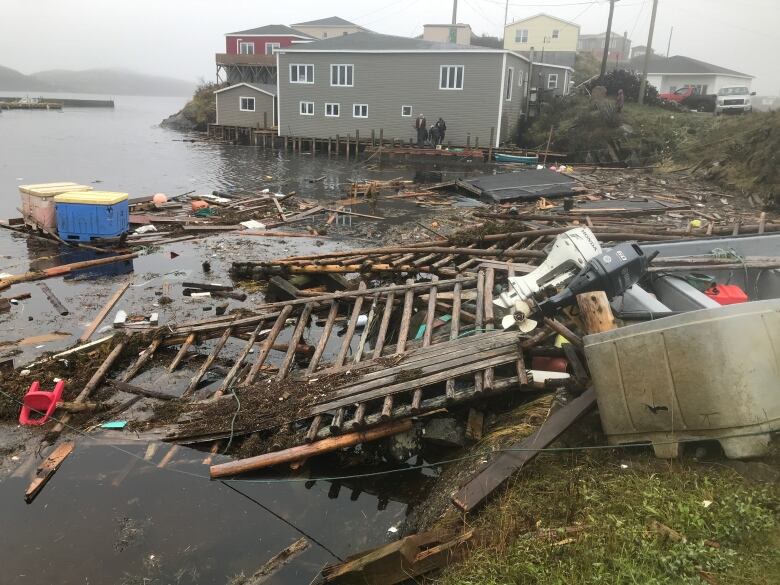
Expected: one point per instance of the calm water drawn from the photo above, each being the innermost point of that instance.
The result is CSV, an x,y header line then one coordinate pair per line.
x,y
105,517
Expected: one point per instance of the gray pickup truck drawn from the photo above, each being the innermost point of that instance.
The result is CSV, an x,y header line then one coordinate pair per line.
x,y
733,100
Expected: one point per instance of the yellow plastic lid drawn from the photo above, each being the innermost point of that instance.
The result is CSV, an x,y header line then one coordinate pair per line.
x,y
51,189
91,197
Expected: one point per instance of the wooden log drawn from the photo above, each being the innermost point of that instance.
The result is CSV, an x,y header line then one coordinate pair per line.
x,y
489,376
182,352
454,331
233,372
91,386
191,387
92,327
563,331
78,406
272,565
309,450
303,320
479,325
324,336
63,269
47,469
596,312
494,473
269,341
406,316
350,328
387,313
314,427
366,330
141,360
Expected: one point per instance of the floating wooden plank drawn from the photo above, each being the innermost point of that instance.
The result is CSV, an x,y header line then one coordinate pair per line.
x,y
399,561
406,316
380,339
47,469
92,327
62,270
237,365
454,332
272,565
492,475
56,303
305,451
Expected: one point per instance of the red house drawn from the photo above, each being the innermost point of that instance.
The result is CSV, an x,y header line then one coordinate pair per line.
x,y
263,40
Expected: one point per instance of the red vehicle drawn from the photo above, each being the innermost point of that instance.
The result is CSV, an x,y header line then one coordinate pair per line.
x,y
690,97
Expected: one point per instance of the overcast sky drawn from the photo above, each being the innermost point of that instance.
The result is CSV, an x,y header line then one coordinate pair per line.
x,y
178,38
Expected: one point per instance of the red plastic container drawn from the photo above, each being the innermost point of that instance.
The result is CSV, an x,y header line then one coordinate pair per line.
x,y
549,364
726,294
40,401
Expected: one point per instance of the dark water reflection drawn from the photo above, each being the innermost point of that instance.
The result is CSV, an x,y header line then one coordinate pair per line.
x,y
106,518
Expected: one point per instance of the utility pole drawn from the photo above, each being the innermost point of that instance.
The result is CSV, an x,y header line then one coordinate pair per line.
x,y
506,16
669,44
454,11
607,39
648,50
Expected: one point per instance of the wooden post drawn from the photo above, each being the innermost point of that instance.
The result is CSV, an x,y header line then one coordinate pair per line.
x,y
338,144
305,451
476,142
357,143
547,149
265,122
346,150
596,312
373,141
490,144
468,140
285,143
381,137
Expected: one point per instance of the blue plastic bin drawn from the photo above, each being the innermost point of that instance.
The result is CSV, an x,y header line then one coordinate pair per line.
x,y
91,215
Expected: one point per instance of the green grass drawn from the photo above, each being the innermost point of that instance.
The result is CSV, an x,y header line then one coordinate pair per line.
x,y
733,539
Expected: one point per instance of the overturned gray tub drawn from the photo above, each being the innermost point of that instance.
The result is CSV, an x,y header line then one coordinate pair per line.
x,y
712,374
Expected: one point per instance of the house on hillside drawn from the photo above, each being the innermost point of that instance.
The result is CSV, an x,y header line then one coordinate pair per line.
x,y
457,34
327,28
249,54
368,82
549,38
245,105
668,74
619,46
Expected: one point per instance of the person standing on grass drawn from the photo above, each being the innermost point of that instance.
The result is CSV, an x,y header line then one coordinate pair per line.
x,y
422,134
620,101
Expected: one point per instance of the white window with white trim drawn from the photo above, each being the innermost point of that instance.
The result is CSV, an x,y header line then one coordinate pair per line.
x,y
342,75
307,108
406,111
271,47
520,78
332,110
360,110
246,104
301,73
556,33
552,81
521,35
510,74
451,77
245,48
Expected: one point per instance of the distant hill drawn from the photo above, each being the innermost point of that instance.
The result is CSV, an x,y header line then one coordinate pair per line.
x,y
97,81
12,80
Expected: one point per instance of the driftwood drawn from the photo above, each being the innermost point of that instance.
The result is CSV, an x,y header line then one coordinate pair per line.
x,y
62,270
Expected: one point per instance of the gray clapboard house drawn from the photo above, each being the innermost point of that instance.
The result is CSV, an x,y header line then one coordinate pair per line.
x,y
246,105
370,82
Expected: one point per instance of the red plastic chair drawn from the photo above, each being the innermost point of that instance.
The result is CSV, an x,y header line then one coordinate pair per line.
x,y
40,401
